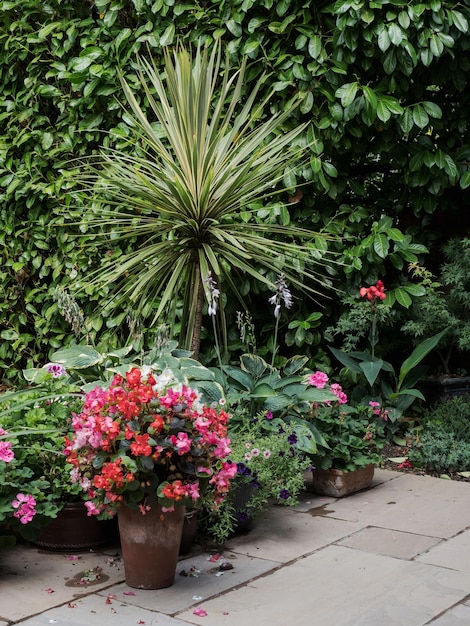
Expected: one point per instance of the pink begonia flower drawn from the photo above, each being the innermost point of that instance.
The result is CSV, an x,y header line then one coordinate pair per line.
x,y
182,443
318,379
269,415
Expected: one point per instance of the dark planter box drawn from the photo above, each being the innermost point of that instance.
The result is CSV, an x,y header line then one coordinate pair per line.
x,y
442,388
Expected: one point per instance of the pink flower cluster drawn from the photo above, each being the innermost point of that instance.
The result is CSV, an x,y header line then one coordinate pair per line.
x,y
6,451
320,380
374,292
378,410
142,436
25,507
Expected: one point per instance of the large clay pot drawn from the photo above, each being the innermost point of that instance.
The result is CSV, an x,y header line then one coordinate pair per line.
x,y
150,545
73,530
336,483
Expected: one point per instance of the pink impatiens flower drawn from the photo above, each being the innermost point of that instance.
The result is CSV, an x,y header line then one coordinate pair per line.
x,y
318,379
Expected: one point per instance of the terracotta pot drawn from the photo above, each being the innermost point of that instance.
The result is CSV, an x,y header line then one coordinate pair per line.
x,y
338,484
150,545
73,530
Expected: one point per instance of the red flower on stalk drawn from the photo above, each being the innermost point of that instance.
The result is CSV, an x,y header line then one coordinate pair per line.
x,y
373,292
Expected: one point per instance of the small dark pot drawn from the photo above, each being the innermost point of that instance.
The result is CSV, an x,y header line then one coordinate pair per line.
x,y
442,388
189,532
240,495
73,530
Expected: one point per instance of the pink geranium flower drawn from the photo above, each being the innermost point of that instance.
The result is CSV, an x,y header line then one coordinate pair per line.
x,y
318,379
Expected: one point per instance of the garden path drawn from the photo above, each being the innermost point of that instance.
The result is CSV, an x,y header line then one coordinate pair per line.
x,y
394,555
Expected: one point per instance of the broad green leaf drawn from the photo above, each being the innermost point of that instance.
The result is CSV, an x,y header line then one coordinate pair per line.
x,y
465,180
77,357
346,93
406,120
383,112
419,353
383,39
371,369
381,245
420,117
459,20
253,364
168,36
396,34
432,109
348,361
403,297
315,46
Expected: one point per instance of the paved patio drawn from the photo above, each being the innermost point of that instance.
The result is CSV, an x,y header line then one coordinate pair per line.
x,y
397,554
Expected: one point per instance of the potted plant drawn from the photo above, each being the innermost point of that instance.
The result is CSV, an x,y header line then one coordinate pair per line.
x,y
353,439
34,423
270,469
144,447
445,308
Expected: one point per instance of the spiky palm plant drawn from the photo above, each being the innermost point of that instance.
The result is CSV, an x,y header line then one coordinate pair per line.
x,y
205,157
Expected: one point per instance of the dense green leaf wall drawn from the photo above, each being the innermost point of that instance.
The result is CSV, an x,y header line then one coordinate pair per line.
x,y
384,83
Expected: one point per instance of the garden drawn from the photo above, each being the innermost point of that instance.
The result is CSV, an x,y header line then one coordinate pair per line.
x,y
231,258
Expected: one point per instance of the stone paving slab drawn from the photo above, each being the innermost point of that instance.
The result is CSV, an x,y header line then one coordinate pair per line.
x,y
283,535
453,553
94,610
33,580
341,587
416,504
389,542
457,616
206,578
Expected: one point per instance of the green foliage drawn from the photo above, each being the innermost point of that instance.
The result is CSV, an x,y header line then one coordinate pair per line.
x,y
354,436
439,450
255,387
37,421
383,87
92,368
446,304
452,416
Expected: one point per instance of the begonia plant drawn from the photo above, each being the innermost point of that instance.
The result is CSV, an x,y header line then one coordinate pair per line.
x,y
146,440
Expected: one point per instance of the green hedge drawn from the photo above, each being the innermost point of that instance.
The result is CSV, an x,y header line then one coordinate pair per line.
x,y
384,83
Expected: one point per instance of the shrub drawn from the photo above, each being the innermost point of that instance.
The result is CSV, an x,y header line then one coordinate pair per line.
x,y
453,416
440,451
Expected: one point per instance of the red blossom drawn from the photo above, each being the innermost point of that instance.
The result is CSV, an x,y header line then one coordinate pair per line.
x,y
374,292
